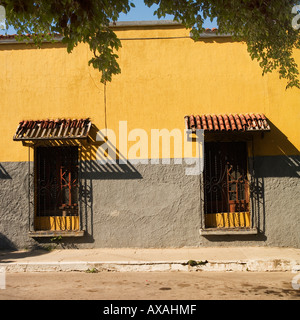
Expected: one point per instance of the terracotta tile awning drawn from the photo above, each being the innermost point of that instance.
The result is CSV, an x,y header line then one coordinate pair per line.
x,y
59,129
224,123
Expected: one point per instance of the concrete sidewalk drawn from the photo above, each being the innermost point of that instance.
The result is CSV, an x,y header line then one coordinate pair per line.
x,y
178,259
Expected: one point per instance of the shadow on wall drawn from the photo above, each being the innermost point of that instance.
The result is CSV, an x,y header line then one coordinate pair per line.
x,y
94,166
92,169
3,173
28,46
6,244
9,251
286,163
258,205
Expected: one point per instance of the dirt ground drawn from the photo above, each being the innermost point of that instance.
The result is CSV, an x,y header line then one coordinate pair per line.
x,y
150,285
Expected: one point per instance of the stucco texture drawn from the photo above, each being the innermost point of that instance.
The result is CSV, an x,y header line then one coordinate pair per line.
x,y
165,76
156,206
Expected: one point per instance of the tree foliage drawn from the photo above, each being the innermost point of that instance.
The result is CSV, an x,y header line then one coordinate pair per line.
x,y
265,25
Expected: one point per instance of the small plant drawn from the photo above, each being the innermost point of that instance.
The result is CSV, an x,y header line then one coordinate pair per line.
x,y
194,263
54,243
56,239
93,270
202,263
48,247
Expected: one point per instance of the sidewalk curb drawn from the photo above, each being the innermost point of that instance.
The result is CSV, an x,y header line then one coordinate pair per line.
x,y
278,265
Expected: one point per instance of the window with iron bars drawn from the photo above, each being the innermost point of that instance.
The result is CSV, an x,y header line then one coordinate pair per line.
x,y
56,188
226,185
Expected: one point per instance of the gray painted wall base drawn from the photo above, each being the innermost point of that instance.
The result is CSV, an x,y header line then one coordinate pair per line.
x,y
155,206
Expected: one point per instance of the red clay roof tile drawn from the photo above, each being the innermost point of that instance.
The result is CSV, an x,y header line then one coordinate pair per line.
x,y
209,123
52,129
238,122
215,122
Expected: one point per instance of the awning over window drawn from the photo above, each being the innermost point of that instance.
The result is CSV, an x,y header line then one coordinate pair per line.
x,y
224,123
59,129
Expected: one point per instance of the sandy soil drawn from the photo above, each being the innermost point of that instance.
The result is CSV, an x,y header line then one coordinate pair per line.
x,y
154,286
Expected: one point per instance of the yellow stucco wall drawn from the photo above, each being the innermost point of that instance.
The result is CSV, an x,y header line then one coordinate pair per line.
x,y
165,75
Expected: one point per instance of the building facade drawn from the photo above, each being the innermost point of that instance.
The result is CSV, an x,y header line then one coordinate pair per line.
x,y
189,146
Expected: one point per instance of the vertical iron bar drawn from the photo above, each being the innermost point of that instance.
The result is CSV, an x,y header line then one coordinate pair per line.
x,y
227,188
216,186
254,220
210,197
202,220
29,211
205,183
238,156
79,191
